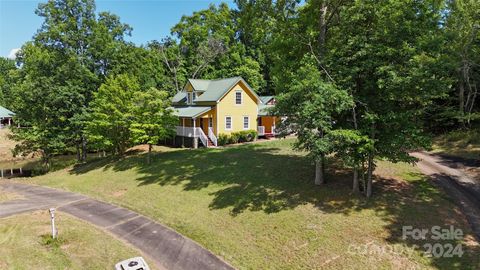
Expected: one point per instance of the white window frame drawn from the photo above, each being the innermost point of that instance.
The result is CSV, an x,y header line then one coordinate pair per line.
x,y
248,122
241,97
194,96
231,122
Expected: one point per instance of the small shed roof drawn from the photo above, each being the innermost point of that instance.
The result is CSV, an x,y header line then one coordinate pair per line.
x,y
266,99
265,110
6,113
191,111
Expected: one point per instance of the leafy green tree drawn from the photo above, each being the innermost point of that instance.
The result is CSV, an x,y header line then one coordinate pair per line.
x,y
388,63
153,118
210,48
463,34
68,59
7,66
311,107
111,114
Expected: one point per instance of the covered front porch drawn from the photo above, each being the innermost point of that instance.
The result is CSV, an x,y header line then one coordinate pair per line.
x,y
197,124
266,121
266,126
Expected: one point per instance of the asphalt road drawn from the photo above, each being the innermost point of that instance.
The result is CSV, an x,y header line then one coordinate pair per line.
x,y
165,247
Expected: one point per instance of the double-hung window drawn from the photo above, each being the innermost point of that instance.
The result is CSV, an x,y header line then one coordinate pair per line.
x,y
238,97
228,122
246,122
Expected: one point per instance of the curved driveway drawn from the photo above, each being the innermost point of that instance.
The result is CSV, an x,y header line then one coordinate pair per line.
x,y
167,248
463,189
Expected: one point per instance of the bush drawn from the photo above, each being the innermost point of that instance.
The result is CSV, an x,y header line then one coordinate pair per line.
x,y
234,137
246,135
223,139
251,135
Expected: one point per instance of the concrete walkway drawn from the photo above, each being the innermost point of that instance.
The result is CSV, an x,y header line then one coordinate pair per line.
x,y
167,248
463,189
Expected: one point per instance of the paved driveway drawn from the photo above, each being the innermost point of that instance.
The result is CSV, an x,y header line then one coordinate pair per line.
x,y
462,188
167,248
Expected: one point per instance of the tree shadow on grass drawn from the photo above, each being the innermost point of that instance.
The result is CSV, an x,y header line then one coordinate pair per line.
x,y
263,178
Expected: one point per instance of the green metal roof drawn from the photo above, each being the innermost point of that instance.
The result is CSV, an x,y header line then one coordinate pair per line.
x,y
191,111
5,113
264,110
266,99
180,97
213,90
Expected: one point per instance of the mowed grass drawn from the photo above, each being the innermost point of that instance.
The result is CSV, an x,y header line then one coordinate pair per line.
x,y
460,143
256,206
26,243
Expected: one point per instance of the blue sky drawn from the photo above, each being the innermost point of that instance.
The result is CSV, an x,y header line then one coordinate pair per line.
x,y
150,19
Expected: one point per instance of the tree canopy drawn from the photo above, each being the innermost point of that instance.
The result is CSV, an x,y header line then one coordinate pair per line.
x,y
361,80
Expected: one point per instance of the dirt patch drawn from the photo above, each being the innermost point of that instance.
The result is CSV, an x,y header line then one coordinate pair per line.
x,y
7,145
119,193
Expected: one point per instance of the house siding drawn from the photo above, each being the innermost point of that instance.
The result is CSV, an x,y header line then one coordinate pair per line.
x,y
227,107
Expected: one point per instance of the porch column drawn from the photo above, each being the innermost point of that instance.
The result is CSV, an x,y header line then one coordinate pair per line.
x,y
195,139
9,121
183,132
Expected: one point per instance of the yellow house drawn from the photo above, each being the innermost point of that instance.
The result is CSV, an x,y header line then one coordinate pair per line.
x,y
207,108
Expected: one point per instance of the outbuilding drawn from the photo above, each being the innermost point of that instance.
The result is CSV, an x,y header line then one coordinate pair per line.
x,y
6,117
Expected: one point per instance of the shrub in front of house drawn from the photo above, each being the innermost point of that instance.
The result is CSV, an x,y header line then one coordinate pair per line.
x,y
236,137
223,139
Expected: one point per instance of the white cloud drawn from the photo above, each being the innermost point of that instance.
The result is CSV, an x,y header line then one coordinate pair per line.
x,y
13,52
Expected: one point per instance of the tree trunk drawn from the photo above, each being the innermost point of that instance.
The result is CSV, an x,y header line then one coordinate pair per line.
x,y
149,153
77,146
84,148
356,184
319,171
461,98
369,175
322,29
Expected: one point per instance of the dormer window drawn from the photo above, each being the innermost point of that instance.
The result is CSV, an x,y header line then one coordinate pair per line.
x,y
191,96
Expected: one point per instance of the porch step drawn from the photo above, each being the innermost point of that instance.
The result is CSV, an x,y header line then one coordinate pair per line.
x,y
210,143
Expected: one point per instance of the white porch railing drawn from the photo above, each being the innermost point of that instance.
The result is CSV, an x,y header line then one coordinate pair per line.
x,y
261,130
212,136
192,133
199,132
186,131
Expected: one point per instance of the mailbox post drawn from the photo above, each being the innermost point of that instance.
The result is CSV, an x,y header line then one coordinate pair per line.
x,y
52,216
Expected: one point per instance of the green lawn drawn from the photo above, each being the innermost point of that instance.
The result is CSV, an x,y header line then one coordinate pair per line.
x,y
256,206
25,243
461,143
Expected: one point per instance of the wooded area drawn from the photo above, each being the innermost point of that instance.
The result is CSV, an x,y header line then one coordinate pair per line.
x,y
361,80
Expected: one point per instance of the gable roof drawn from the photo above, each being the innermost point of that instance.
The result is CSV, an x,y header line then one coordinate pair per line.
x,y
213,90
266,99
5,113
